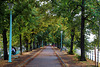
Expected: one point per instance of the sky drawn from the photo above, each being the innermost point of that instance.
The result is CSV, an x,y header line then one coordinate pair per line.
x,y
91,37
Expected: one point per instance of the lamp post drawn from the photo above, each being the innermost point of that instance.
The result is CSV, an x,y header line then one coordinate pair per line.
x,y
10,38
61,39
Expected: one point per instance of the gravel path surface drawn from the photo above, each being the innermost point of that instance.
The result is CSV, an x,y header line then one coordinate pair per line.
x,y
47,58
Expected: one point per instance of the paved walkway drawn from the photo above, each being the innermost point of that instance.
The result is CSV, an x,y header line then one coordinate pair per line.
x,y
46,58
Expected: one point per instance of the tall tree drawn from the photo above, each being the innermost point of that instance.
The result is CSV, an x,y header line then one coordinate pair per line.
x,y
4,26
5,44
82,31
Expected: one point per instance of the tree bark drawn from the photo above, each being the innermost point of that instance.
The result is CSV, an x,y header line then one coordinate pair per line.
x,y
5,44
72,40
37,44
20,45
57,45
33,44
82,32
26,45
30,47
52,43
45,43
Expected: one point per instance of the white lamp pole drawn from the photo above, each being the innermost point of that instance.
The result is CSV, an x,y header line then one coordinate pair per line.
x,y
61,39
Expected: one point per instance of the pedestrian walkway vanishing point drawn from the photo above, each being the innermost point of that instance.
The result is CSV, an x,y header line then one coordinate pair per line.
x,y
47,58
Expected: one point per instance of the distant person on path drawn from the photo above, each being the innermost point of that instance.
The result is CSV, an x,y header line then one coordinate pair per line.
x,y
13,50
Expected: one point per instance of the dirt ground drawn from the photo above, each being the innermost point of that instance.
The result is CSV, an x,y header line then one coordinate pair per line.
x,y
18,59
69,60
72,61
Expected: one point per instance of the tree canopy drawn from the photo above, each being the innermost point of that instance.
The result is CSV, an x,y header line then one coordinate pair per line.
x,y
42,20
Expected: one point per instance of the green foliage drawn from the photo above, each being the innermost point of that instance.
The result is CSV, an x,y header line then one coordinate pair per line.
x,y
1,41
78,56
44,22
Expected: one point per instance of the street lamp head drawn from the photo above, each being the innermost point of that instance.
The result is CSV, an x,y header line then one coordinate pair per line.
x,y
10,5
61,31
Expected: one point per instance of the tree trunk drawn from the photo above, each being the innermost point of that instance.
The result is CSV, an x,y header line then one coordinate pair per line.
x,y
57,45
5,44
26,45
82,33
20,43
52,43
72,40
30,47
33,44
37,44
45,43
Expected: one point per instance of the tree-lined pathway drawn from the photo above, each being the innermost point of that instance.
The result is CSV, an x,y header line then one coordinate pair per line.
x,y
47,58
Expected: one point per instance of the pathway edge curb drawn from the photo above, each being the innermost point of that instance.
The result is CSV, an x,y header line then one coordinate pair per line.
x,y
65,65
23,64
